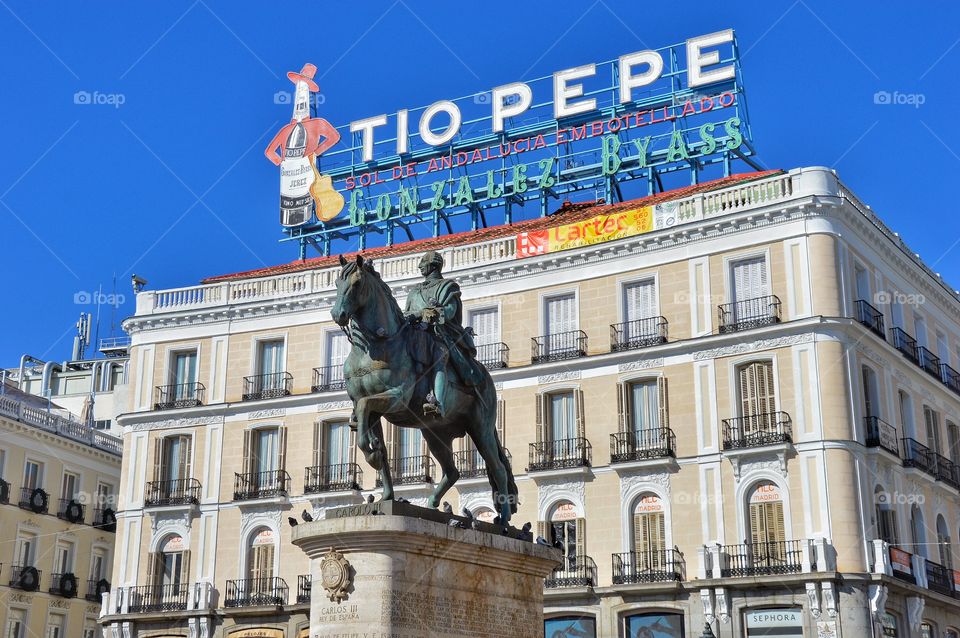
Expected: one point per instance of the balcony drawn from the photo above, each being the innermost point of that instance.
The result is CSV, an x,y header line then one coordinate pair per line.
x,y
256,592
748,314
947,471
146,599
64,585
328,379
918,455
96,588
881,434
172,492
762,559
939,578
493,356
179,395
254,485
267,386
906,344
871,318
70,510
655,566
471,465
560,454
4,492
304,585
105,518
929,362
950,377
34,499
558,346
642,445
25,577
575,571
639,333
410,470
332,478
768,428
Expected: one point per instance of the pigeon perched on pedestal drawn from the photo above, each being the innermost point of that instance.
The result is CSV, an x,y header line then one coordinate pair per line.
x,y
306,516
369,498
400,499
525,533
467,514
542,541
447,508
293,522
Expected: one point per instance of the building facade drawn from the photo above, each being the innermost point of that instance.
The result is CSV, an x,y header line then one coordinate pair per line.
x,y
58,481
746,418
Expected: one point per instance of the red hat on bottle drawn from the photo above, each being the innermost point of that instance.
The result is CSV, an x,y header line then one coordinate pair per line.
x,y
306,75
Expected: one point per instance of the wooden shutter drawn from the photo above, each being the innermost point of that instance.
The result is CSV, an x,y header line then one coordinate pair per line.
x,y
152,572
663,404
578,411
389,439
542,421
247,452
185,567
624,420
581,537
281,448
502,421
352,452
158,459
543,530
317,443
185,456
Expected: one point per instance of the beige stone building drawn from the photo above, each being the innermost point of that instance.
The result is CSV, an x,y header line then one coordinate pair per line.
x,y
746,417
58,480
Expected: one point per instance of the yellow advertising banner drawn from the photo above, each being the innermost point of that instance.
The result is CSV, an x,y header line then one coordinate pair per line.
x,y
601,228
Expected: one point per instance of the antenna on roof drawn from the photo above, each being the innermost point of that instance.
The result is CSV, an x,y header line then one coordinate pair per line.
x,y
82,340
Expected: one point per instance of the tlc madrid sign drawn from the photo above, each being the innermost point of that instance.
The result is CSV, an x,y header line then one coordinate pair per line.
x,y
587,128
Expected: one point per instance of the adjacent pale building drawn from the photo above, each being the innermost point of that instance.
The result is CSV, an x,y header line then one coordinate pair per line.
x,y
746,417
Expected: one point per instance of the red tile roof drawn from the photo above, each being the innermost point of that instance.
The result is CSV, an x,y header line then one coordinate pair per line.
x,y
567,213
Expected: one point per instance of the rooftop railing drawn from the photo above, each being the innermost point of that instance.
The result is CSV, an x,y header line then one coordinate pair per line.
x,y
651,566
328,379
267,386
54,423
179,395
748,314
639,333
871,318
558,346
757,430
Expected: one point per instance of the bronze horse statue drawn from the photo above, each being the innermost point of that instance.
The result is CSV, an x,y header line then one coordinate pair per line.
x,y
384,379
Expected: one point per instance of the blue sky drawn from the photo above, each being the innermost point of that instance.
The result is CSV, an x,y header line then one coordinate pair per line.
x,y
172,184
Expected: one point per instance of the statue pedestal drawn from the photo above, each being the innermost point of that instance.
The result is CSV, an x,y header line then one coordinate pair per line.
x,y
398,575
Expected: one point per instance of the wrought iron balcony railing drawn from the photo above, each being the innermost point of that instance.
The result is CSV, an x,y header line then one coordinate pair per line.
x,y
96,588
471,464
906,344
918,455
950,377
25,577
653,566
34,499
929,362
332,478
560,454
493,356
304,585
939,578
642,445
639,333
68,509
253,485
881,434
256,592
172,492
267,386
575,571
559,346
411,470
64,585
328,379
871,318
760,559
179,395
757,430
105,518
748,314
145,599
947,471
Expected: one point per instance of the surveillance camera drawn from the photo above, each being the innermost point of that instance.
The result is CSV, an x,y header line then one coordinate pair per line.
x,y
138,283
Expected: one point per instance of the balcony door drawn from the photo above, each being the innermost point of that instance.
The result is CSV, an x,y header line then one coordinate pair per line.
x,y
567,531
32,475
932,421
748,280
271,364
265,457
260,562
649,533
68,487
183,374
758,397
871,398
334,451
338,347
943,543
920,327
563,426
486,326
172,461
886,517
639,302
169,568
644,406
561,319
862,282
767,528
26,551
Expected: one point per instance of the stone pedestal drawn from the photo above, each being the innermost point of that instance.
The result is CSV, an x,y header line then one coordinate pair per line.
x,y
403,572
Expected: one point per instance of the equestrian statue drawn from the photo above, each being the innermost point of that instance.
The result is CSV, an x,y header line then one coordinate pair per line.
x,y
417,368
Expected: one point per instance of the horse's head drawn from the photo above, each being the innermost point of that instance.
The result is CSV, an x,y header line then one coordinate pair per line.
x,y
351,291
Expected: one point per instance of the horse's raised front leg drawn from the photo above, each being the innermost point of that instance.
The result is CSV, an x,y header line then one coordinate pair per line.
x,y
442,450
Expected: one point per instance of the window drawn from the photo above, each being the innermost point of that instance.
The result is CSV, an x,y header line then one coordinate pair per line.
x,y
927,631
261,556
642,406
63,558
68,487
748,279
757,396
561,314
334,443
889,624
649,533
862,278
907,425
567,530
105,496
55,626
89,632
486,326
172,458
871,400
886,517
931,420
661,625
943,544
953,440
170,567
266,457
183,369
562,416
32,475
570,627
3,462
16,624
338,347
640,300
409,443
918,534
98,565
920,327
26,550
896,310
943,350
270,357
766,515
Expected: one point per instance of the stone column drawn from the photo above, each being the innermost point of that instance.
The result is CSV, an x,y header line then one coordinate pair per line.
x,y
406,577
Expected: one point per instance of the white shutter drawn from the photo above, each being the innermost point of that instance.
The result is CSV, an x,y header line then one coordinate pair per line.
x,y
561,314
863,284
639,300
486,326
749,279
337,348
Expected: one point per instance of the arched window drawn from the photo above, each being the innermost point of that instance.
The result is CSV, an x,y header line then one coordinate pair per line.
x,y
261,554
918,534
886,517
649,533
766,514
168,570
943,544
565,529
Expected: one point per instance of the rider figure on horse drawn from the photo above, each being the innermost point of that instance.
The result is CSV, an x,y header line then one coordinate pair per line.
x,y
434,305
